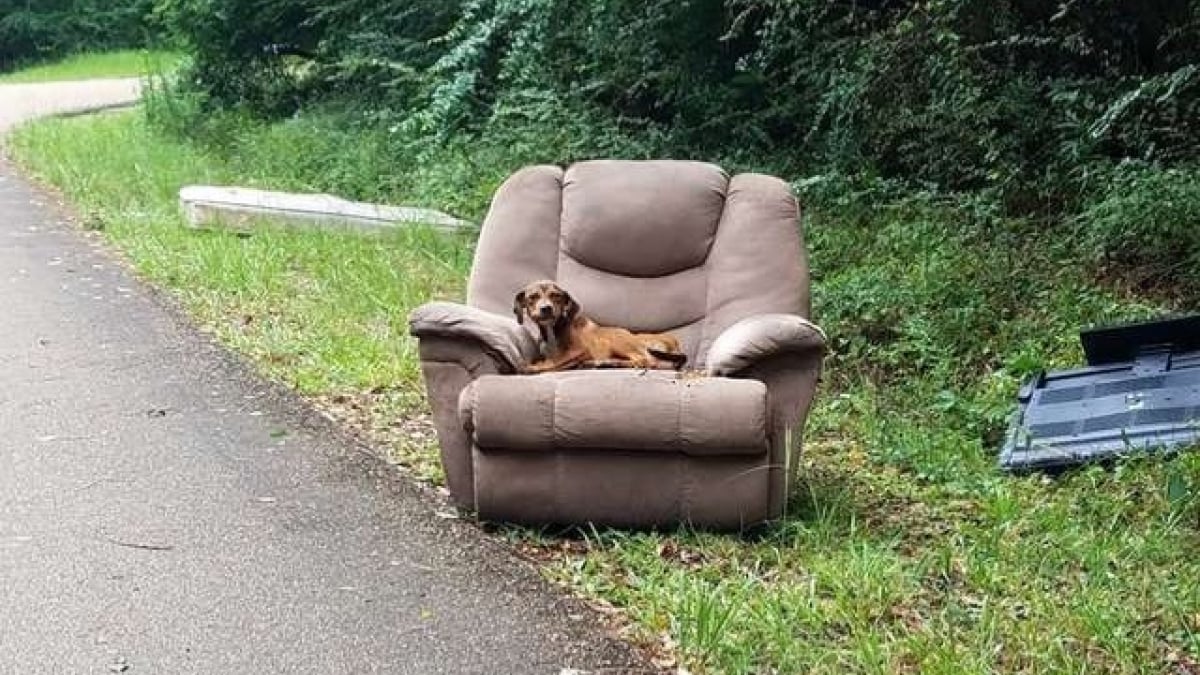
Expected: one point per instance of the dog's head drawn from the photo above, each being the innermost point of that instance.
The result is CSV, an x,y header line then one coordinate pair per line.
x,y
546,304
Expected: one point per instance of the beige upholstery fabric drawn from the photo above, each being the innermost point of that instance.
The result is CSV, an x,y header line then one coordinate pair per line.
x,y
757,264
651,411
757,337
498,335
622,489
666,212
651,246
519,239
448,365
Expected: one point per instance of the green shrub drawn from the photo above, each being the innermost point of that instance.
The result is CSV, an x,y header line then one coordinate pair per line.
x,y
1002,108
272,56
31,31
1147,221
1024,100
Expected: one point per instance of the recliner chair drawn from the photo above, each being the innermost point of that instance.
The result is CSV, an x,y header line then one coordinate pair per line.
x,y
651,246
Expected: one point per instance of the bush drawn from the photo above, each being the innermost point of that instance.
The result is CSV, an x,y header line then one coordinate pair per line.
x,y
1148,221
1015,97
272,56
31,31
1020,106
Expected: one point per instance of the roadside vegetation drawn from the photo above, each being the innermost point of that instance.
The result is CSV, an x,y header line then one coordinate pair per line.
x,y
124,63
980,180
38,32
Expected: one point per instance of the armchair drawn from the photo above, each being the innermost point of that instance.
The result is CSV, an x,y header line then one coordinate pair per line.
x,y
651,246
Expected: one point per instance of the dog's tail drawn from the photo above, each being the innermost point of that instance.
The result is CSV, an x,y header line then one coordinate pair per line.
x,y
674,358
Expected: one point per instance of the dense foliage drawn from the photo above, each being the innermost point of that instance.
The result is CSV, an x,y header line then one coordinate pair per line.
x,y
31,31
1042,108
957,93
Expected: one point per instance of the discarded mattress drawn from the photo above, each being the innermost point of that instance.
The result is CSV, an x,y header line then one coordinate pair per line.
x,y
1140,392
206,205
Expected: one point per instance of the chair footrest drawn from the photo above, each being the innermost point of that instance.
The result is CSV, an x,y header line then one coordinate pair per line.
x,y
627,410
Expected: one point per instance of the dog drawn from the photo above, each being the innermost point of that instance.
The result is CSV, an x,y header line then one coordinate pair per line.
x,y
568,339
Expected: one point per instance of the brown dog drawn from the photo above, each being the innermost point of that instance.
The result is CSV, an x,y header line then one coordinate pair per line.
x,y
568,339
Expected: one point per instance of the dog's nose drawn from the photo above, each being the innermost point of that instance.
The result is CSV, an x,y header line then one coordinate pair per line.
x,y
545,311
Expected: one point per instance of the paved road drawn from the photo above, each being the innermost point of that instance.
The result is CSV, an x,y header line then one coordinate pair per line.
x,y
162,510
19,102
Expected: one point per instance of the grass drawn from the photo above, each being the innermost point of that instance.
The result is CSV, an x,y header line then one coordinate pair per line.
x,y
904,550
126,63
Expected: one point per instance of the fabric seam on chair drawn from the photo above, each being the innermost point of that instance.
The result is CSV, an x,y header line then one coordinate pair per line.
x,y
562,198
684,501
680,415
564,253
769,430
473,396
702,347
558,491
552,419
474,482
683,504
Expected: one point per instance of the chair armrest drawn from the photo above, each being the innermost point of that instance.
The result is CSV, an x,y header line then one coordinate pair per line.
x,y
755,338
499,336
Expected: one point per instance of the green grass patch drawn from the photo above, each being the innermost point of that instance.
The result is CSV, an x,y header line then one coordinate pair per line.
x,y
125,63
905,549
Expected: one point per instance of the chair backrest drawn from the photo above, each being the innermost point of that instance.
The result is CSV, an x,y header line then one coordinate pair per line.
x,y
647,245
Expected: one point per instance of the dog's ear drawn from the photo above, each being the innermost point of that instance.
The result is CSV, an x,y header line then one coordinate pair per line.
x,y
570,307
519,307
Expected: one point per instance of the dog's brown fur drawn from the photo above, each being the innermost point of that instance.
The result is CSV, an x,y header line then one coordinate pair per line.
x,y
569,339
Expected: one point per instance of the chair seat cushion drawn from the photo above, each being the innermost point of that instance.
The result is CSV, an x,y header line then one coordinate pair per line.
x,y
632,410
